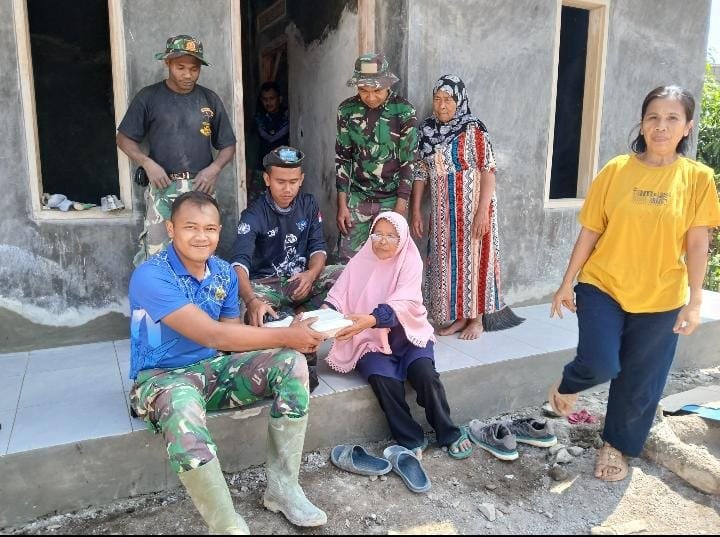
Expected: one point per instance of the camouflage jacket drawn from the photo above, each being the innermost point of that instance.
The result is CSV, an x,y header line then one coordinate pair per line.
x,y
376,148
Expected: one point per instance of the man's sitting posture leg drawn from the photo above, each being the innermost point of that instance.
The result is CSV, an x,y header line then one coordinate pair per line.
x,y
175,402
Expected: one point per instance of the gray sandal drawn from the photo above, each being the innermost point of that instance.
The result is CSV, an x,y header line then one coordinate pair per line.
x,y
355,459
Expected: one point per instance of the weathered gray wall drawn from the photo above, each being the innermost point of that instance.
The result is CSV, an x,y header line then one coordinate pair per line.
x,y
504,53
65,282
319,71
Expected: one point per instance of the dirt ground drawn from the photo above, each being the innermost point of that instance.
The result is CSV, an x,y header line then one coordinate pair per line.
x,y
525,497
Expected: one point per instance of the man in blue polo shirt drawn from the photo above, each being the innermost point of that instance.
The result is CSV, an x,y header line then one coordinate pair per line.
x,y
280,251
184,308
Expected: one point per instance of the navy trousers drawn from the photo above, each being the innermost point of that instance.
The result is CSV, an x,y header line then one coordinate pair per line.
x,y
632,350
425,380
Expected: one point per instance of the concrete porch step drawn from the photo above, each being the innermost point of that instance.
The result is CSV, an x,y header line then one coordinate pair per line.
x,y
67,439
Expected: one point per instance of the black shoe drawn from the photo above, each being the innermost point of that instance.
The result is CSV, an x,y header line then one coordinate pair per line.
x,y
313,378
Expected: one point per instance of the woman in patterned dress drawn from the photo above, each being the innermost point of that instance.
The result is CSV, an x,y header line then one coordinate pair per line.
x,y
462,281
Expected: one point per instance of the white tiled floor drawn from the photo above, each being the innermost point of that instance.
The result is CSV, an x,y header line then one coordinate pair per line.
x,y
55,396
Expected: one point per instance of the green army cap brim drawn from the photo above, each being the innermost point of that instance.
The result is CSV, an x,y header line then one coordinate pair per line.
x,y
177,54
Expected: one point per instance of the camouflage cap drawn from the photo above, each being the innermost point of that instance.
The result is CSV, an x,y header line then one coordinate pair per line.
x,y
182,45
372,70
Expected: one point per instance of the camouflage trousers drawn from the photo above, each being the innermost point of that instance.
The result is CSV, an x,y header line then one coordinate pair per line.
x,y
362,214
158,202
174,402
278,291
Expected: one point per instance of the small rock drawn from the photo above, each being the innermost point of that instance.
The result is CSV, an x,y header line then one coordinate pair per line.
x,y
509,477
558,473
623,528
347,523
243,489
373,478
491,486
548,514
373,516
520,504
598,442
54,527
563,457
488,511
575,451
383,478
554,449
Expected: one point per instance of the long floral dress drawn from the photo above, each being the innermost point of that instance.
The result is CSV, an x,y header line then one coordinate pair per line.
x,y
462,277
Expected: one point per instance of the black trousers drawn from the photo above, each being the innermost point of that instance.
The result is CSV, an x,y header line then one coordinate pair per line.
x,y
430,395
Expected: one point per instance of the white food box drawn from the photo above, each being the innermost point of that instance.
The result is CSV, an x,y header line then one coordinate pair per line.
x,y
329,322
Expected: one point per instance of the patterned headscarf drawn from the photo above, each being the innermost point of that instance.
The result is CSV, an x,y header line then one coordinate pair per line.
x,y
433,131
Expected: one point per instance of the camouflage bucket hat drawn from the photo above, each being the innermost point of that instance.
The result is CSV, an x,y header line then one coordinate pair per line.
x,y
372,70
182,45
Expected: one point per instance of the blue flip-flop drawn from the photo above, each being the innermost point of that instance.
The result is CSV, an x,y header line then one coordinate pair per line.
x,y
408,467
355,459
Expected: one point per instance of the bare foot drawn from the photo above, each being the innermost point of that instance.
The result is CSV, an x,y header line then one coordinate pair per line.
x,y
464,445
473,329
453,328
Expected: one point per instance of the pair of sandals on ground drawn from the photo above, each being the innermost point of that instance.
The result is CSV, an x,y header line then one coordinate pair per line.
x,y
399,459
611,464
499,438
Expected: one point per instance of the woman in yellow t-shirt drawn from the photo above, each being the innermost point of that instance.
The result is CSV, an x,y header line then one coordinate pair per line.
x,y
644,239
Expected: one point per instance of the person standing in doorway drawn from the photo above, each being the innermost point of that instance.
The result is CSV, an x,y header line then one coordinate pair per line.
x,y
644,241
374,153
272,122
182,122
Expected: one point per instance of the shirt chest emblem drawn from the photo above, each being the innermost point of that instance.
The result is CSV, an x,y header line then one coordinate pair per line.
x,y
301,225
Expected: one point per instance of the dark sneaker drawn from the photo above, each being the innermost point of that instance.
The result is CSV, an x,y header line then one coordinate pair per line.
x,y
495,438
534,432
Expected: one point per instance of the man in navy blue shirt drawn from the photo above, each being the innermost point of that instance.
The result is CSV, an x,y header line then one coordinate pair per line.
x,y
280,251
184,314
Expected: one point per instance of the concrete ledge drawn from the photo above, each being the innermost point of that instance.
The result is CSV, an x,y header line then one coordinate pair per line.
x,y
94,472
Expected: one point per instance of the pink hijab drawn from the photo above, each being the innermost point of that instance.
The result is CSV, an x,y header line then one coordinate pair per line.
x,y
367,282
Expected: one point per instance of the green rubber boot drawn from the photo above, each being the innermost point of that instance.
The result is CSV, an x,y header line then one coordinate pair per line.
x,y
209,492
283,494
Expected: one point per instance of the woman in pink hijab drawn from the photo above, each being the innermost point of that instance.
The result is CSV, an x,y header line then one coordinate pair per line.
x,y
391,339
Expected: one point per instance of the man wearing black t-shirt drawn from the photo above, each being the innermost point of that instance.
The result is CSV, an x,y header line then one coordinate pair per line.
x,y
182,122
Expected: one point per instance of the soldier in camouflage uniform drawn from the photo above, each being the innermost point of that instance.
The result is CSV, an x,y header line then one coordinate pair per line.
x,y
182,122
374,152
184,306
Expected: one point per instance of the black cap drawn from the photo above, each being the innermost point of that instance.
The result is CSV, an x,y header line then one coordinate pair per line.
x,y
283,157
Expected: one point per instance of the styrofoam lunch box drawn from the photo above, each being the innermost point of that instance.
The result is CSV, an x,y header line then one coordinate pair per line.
x,y
329,322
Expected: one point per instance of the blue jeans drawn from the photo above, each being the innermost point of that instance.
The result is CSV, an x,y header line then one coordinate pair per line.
x,y
632,350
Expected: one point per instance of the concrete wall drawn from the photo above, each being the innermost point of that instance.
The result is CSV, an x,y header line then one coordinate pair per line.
x,y
66,282
504,53
319,70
